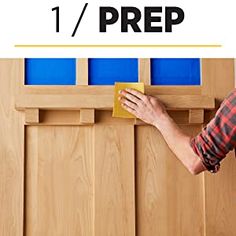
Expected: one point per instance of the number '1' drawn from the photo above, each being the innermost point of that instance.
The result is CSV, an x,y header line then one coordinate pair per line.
x,y
57,18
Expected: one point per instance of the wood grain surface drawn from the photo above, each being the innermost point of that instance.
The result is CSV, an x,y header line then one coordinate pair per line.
x,y
59,181
11,152
170,200
220,189
114,180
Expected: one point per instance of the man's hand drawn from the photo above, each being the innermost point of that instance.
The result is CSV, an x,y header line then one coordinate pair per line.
x,y
144,107
153,112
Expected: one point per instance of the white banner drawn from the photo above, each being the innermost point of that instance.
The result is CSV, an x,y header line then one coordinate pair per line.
x,y
69,28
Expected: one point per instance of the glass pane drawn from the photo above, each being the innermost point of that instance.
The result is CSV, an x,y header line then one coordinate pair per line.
x,y
175,71
50,71
108,71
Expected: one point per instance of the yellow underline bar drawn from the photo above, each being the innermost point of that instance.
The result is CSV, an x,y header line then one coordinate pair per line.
x,y
118,46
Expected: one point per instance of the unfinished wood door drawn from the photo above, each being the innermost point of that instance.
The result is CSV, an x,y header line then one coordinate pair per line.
x,y
69,168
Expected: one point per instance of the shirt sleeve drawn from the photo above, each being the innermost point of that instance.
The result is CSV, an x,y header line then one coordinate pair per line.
x,y
219,137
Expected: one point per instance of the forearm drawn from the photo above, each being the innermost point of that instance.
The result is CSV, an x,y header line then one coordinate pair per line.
x,y
179,143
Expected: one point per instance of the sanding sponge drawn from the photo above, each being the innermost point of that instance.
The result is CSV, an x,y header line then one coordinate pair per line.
x,y
118,111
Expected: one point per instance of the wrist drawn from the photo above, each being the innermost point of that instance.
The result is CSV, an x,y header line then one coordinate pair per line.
x,y
161,120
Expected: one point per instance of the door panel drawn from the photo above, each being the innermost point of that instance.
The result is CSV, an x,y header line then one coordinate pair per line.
x,y
75,186
114,178
59,181
170,200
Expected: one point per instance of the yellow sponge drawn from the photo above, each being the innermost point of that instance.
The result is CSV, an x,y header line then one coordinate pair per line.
x,y
118,111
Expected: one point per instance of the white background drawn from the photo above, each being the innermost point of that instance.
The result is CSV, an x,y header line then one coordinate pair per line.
x,y
33,22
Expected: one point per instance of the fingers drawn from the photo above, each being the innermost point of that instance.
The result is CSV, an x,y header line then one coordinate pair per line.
x,y
133,101
136,93
129,109
128,103
131,97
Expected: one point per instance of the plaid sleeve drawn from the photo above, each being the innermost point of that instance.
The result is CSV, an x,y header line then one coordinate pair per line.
x,y
219,136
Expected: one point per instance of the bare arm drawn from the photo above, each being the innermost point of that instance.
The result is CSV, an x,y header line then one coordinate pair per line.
x,y
153,112
179,143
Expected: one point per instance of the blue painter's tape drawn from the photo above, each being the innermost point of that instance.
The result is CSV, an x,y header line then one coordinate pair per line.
x,y
175,71
50,71
108,71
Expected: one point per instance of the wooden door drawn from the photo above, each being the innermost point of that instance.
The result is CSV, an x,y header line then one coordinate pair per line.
x,y
72,169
